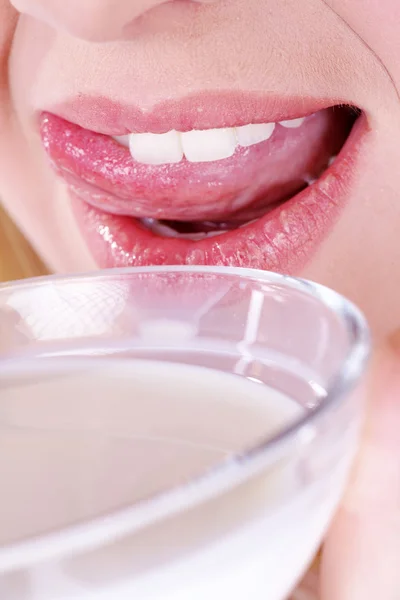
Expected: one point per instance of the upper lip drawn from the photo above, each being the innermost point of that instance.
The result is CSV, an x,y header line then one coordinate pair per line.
x,y
202,111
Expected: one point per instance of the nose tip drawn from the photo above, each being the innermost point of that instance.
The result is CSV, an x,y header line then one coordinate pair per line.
x,y
92,20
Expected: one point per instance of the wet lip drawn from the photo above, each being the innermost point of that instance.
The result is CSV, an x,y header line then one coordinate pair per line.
x,y
283,239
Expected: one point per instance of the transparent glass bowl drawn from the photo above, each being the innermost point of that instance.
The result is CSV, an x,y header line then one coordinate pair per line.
x,y
208,345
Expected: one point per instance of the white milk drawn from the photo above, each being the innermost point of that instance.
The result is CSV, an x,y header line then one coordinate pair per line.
x,y
78,446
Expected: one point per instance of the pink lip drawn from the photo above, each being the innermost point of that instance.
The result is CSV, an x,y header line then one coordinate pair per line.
x,y
283,240
203,111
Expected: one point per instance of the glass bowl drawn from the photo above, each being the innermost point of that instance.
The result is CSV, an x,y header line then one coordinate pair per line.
x,y
172,432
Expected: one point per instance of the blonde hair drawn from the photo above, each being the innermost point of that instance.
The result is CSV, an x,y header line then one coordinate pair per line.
x,y
17,259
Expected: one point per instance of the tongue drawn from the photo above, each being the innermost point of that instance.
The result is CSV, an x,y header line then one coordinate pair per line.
x,y
238,189
273,171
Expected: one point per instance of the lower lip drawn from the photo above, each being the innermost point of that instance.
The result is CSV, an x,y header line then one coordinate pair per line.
x,y
284,240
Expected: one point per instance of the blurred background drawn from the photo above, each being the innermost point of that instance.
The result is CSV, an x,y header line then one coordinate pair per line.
x,y
17,259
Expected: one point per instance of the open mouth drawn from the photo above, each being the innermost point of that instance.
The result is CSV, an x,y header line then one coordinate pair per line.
x,y
260,194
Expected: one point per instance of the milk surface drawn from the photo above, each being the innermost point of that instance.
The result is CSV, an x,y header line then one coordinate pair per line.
x,y
80,444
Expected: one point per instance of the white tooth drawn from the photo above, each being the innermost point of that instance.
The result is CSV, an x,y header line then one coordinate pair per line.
x,y
156,149
122,139
309,179
254,134
293,123
155,226
248,223
208,145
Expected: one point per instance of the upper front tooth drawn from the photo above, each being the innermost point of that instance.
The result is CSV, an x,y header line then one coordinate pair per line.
x,y
156,149
254,134
122,139
198,146
208,145
293,123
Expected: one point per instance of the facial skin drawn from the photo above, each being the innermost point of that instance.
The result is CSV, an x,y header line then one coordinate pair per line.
x,y
145,52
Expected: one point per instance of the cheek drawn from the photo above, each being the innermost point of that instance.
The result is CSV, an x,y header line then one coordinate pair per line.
x,y
8,22
377,22
361,258
30,7
38,204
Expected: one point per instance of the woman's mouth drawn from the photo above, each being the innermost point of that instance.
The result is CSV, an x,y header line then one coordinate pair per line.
x,y
261,194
